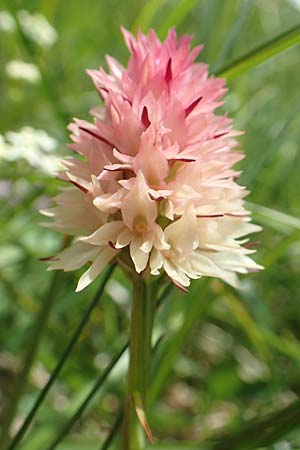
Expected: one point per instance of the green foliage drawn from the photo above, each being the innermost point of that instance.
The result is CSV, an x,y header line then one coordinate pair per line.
x,y
226,364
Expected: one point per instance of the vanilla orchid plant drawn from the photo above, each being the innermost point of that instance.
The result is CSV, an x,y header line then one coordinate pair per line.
x,y
153,189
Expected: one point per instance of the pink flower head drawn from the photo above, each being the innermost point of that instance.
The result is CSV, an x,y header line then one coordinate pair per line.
x,y
155,185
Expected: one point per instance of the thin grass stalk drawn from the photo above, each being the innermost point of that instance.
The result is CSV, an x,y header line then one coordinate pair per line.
x,y
78,413
233,34
113,432
61,361
165,293
163,366
32,349
99,382
146,15
261,54
176,16
261,432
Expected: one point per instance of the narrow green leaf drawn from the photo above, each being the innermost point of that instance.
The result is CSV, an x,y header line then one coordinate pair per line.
x,y
261,160
176,16
261,54
172,346
148,12
262,338
261,432
61,361
271,218
39,328
287,346
233,34
113,432
280,248
247,323
99,382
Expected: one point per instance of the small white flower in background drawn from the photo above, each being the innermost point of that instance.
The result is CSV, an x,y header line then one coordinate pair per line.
x,y
20,70
37,28
7,22
35,146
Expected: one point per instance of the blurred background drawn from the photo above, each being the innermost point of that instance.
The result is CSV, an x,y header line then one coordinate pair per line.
x,y
227,370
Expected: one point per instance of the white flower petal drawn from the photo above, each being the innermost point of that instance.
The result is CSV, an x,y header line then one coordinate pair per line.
x,y
96,268
74,257
175,273
138,257
156,262
182,234
147,243
104,234
124,238
138,204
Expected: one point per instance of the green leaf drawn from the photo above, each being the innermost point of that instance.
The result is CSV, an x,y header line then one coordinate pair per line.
x,y
113,432
91,394
263,158
247,323
280,248
279,221
233,34
176,16
261,54
39,328
262,432
58,368
78,413
171,347
148,12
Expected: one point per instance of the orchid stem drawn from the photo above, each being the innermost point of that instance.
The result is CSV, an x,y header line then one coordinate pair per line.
x,y
142,318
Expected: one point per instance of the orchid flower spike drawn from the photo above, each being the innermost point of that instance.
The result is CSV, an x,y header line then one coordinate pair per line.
x,y
154,187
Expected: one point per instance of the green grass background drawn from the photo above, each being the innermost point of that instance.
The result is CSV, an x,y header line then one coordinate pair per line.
x,y
226,374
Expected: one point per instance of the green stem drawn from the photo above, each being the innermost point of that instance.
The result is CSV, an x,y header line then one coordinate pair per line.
x,y
142,317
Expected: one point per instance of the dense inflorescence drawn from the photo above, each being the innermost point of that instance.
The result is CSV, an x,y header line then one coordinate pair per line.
x,y
154,187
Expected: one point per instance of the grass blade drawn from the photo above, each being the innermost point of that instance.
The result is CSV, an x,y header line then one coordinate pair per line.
x,y
226,50
279,250
263,432
285,223
32,349
176,16
99,382
144,19
171,347
261,54
255,166
247,323
113,432
61,361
